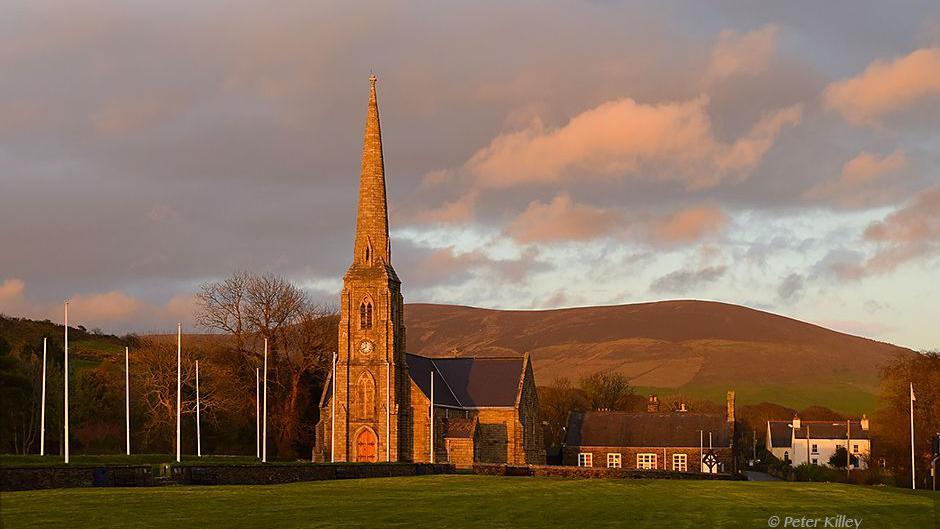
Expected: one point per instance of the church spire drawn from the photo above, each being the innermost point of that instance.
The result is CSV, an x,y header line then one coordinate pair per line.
x,y
372,245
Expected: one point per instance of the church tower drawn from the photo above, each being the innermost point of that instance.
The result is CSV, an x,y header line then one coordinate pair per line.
x,y
372,384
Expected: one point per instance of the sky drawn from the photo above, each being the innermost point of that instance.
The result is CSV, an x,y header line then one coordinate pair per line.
x,y
782,156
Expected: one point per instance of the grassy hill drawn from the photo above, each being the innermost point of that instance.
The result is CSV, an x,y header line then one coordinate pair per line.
x,y
697,348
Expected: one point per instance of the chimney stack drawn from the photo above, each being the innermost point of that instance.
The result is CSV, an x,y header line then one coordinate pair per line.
x,y
864,422
731,406
796,422
653,405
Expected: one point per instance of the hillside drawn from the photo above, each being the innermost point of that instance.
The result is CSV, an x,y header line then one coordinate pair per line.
x,y
696,348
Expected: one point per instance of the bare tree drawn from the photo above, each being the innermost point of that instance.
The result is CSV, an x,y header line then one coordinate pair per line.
x,y
606,391
221,307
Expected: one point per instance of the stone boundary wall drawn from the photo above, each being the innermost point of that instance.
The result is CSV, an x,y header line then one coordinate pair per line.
x,y
593,473
270,474
32,478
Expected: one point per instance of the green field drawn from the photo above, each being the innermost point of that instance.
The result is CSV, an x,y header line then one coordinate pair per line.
x,y
468,501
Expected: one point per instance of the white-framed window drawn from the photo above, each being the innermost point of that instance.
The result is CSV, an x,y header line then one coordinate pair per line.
x,y
786,455
680,462
613,461
855,448
585,459
815,461
815,448
646,461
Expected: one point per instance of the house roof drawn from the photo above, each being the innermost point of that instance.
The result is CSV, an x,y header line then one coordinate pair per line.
x,y
780,431
469,382
673,429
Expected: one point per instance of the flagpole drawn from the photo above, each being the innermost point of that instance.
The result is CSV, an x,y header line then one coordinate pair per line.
x,y
179,347
257,413
42,413
198,431
66,377
431,440
264,433
913,473
127,396
333,414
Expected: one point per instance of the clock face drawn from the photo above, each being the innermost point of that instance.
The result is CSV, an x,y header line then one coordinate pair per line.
x,y
366,346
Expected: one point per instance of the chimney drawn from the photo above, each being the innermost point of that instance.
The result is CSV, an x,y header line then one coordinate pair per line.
x,y
864,422
682,408
652,406
796,422
731,406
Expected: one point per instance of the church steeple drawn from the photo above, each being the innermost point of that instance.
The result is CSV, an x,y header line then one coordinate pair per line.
x,y
372,242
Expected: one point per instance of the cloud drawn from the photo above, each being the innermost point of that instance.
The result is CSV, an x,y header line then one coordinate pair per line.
x,y
688,225
668,141
886,86
561,220
681,281
455,211
11,295
860,183
910,232
791,288
741,53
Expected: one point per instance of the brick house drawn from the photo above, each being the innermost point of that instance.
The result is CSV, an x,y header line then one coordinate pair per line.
x,y
815,442
676,440
376,404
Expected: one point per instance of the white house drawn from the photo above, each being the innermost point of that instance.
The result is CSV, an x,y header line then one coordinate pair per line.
x,y
815,441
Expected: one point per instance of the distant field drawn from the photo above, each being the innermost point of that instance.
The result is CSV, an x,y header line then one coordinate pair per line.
x,y
468,501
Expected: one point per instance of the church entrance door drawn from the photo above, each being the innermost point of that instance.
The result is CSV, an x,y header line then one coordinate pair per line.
x,y
365,447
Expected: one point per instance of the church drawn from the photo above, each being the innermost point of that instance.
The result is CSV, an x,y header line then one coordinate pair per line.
x,y
383,404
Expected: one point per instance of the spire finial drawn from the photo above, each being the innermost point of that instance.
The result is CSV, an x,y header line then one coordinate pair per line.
x,y
373,79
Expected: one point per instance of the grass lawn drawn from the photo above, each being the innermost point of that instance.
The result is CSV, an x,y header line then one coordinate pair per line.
x,y
468,501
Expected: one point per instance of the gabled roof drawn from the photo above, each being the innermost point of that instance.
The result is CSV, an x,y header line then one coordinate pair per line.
x,y
673,429
469,382
780,431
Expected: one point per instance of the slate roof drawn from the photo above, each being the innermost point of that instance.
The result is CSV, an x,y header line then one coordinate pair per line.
x,y
673,429
780,431
469,382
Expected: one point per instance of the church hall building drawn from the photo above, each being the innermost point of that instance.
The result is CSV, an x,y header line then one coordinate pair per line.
x,y
377,403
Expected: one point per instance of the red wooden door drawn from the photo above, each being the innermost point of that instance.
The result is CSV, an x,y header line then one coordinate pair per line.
x,y
365,447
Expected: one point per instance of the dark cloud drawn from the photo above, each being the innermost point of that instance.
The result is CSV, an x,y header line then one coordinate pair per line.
x,y
686,281
791,288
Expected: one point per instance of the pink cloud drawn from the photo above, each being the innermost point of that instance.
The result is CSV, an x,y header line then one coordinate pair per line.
x,y
741,53
688,225
451,212
886,86
669,141
859,183
561,220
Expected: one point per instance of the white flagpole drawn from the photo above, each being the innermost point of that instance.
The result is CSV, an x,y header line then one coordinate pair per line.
x,y
127,396
66,377
333,414
264,433
701,451
913,477
198,431
179,347
42,413
388,411
258,412
431,414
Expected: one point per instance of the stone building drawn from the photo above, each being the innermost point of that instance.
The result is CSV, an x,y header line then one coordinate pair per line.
x,y
815,442
376,405
678,440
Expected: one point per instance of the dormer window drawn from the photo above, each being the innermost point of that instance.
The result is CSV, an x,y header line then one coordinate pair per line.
x,y
365,314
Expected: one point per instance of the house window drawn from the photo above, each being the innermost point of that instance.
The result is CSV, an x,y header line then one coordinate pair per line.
x,y
815,461
855,448
613,461
646,461
680,462
365,314
815,449
786,455
585,459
